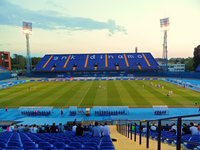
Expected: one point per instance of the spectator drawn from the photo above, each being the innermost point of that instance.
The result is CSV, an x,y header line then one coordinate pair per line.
x,y
61,128
90,129
26,129
74,128
144,129
41,129
106,130
101,127
166,128
12,127
47,128
21,128
53,128
193,129
153,128
186,129
74,122
198,128
96,131
173,128
79,130
34,129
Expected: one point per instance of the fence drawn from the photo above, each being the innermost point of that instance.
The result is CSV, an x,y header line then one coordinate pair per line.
x,y
131,128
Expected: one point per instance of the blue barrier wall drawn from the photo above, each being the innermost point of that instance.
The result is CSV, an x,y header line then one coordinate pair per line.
x,y
5,75
195,75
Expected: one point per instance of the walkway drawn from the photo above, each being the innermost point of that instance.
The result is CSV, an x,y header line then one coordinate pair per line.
x,y
123,143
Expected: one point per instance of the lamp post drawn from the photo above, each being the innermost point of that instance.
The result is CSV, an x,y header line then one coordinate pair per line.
x,y
164,24
27,30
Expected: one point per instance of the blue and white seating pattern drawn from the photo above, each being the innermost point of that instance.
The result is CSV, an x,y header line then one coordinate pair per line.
x,y
79,62
48,141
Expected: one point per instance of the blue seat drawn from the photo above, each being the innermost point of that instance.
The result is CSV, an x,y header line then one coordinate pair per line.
x,y
43,144
49,148
89,148
14,144
92,144
13,147
70,148
28,144
30,147
3,140
59,145
107,148
106,144
76,145
2,145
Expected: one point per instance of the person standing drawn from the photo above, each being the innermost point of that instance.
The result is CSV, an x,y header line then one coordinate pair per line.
x,y
53,128
79,130
34,129
61,128
12,127
193,129
61,111
186,129
74,128
106,130
6,108
96,131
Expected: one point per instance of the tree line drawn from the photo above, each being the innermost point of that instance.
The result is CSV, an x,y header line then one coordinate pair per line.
x,y
18,62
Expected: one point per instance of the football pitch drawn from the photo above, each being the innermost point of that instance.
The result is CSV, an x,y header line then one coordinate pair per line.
x,y
139,93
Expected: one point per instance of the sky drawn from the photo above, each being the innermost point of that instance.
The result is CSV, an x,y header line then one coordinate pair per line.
x,y
100,26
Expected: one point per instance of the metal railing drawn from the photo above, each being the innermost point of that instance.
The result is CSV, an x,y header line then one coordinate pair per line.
x,y
128,129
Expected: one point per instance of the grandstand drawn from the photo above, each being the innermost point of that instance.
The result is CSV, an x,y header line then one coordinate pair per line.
x,y
4,73
198,69
97,62
2,69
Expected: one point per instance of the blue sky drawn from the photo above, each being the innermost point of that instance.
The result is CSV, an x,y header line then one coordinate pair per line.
x,y
98,26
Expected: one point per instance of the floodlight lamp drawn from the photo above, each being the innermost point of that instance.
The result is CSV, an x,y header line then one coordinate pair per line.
x,y
27,31
165,28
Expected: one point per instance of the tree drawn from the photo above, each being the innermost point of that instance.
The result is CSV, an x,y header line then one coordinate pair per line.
x,y
18,62
189,64
196,57
35,60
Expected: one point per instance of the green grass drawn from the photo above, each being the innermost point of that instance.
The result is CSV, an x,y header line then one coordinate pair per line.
x,y
88,93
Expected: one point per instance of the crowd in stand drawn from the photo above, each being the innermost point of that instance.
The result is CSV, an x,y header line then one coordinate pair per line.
x,y
36,129
186,129
77,128
97,130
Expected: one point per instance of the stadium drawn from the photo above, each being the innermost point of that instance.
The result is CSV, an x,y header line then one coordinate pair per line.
x,y
99,100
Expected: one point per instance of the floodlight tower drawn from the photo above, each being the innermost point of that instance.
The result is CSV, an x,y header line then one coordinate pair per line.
x,y
27,30
164,24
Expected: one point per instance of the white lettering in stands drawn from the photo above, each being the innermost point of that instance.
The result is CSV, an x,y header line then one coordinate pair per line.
x,y
110,56
55,58
72,57
130,56
64,57
92,57
120,56
139,56
101,56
